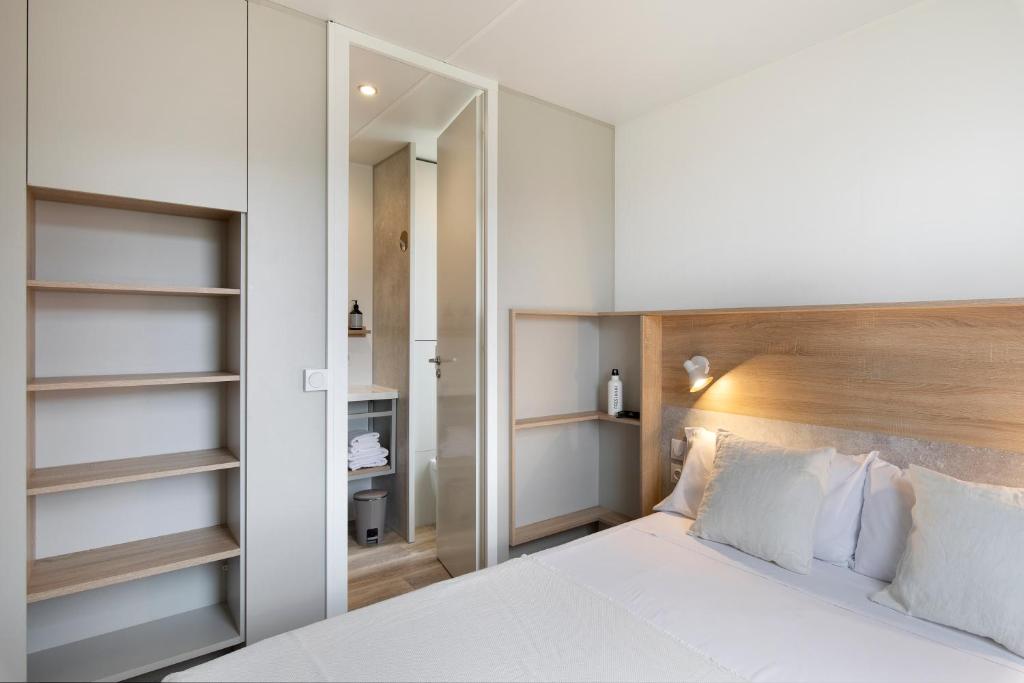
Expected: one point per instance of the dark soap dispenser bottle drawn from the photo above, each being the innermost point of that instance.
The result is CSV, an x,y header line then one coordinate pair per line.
x,y
355,317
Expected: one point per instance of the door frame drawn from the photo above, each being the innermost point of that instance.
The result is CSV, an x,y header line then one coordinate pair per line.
x,y
339,41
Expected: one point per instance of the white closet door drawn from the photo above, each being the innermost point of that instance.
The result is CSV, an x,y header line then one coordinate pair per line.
x,y
139,98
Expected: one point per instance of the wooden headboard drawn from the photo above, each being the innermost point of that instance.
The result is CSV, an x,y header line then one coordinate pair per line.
x,y
950,372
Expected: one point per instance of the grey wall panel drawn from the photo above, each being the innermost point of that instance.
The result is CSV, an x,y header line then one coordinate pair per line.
x,y
13,49
392,271
556,471
556,184
286,436
124,605
139,99
556,366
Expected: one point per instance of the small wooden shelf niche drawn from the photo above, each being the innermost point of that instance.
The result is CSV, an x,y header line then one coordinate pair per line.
x,y
136,423
583,466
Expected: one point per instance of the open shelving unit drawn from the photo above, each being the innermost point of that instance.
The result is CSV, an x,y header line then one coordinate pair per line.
x,y
136,423
374,408
571,464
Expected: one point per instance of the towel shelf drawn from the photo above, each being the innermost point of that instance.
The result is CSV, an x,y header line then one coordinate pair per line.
x,y
378,407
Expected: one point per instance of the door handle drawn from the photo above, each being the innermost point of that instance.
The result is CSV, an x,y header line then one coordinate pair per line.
x,y
437,360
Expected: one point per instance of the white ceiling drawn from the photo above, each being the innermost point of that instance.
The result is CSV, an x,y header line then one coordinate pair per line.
x,y
612,60
411,105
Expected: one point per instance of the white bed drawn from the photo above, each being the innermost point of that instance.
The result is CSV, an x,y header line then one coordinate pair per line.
x,y
641,601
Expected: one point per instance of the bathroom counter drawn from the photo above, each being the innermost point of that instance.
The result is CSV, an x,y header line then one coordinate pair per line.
x,y
371,392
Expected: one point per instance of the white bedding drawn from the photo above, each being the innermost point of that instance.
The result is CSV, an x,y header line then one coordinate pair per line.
x,y
642,601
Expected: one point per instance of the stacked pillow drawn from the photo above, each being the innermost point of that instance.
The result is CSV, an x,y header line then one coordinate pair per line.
x,y
885,521
953,550
964,556
838,516
765,500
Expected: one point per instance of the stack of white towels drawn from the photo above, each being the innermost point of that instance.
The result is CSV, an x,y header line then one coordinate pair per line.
x,y
364,450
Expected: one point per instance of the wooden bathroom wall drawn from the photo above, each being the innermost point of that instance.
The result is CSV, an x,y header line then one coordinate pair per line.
x,y
392,215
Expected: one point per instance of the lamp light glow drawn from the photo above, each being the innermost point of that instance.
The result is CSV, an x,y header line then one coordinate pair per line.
x,y
367,90
698,368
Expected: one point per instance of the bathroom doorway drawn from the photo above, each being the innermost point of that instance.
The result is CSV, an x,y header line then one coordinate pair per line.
x,y
415,211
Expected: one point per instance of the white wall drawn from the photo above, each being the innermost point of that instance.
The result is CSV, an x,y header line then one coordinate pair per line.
x,y
360,269
883,165
424,286
423,382
555,224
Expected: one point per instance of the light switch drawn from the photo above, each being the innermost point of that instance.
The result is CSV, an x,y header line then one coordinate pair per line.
x,y
678,449
315,380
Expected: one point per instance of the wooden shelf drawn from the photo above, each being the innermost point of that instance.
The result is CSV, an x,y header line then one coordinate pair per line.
x,y
122,381
358,333
368,472
53,577
573,520
569,418
127,204
106,472
605,417
110,288
130,652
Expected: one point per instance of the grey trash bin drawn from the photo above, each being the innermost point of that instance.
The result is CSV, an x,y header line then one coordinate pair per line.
x,y
371,513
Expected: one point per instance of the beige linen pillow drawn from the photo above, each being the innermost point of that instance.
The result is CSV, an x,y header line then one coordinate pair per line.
x,y
964,563
764,500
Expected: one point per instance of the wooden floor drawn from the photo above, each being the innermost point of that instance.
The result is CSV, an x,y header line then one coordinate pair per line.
x,y
379,572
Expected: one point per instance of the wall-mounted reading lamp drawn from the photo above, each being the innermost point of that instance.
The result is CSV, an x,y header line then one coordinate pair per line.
x,y
698,368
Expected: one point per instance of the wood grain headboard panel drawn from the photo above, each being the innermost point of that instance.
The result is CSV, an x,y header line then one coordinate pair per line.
x,y
952,373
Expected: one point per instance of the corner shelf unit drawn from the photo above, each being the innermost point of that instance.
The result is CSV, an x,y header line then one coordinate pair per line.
x,y
136,424
561,359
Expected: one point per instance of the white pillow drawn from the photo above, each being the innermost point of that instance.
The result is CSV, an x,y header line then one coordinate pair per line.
x,y
764,500
835,537
700,458
884,522
964,564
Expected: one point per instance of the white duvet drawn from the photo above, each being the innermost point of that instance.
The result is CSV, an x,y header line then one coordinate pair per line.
x,y
642,601
521,621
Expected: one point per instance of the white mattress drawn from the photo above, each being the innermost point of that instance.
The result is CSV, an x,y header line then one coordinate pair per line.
x,y
642,601
768,624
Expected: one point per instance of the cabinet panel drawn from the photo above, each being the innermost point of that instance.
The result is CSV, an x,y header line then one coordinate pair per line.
x,y
139,98
287,218
12,340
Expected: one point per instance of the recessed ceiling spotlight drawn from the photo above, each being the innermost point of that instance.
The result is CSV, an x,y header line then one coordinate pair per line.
x,y
367,90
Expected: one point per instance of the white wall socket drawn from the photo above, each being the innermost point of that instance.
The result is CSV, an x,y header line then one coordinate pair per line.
x,y
677,471
678,449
